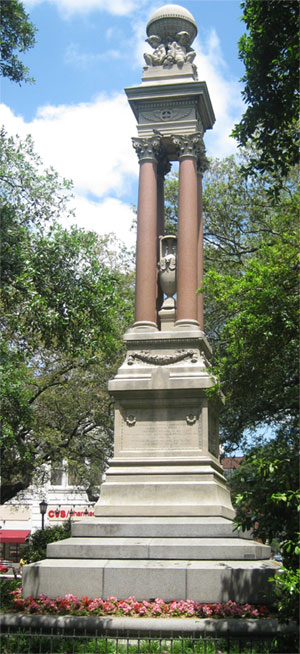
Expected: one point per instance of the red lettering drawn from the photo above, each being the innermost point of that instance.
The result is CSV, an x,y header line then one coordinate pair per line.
x,y
62,513
51,514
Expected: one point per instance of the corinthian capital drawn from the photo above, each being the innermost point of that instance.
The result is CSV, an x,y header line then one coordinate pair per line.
x,y
188,145
163,166
147,149
202,161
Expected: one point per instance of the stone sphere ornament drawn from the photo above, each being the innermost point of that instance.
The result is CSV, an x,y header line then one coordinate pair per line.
x,y
171,30
169,20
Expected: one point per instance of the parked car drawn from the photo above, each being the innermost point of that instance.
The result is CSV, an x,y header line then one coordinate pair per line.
x,y
3,566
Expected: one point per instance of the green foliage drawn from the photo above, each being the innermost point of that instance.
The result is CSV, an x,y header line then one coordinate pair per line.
x,y
17,35
171,203
110,645
250,293
36,550
286,589
270,52
66,298
239,215
252,316
266,496
7,586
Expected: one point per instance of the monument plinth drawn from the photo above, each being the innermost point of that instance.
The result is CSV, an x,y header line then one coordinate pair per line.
x,y
163,522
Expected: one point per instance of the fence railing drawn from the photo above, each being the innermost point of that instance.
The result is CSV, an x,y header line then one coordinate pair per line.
x,y
26,634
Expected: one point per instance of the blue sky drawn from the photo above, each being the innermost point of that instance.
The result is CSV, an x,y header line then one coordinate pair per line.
x,y
87,51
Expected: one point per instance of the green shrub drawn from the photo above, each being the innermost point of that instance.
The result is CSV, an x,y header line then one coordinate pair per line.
x,y
286,588
6,588
36,550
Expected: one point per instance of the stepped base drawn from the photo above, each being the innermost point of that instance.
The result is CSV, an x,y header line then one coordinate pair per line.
x,y
202,581
159,548
174,558
141,527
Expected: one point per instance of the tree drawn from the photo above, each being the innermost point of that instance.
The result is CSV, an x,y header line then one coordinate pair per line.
x,y
270,53
250,294
64,308
257,350
266,496
17,35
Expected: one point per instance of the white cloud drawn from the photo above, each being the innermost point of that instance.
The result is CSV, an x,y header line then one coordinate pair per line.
x,y
82,60
224,93
68,7
109,216
89,143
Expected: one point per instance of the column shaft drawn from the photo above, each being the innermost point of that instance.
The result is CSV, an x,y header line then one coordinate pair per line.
x,y
146,270
200,317
187,240
160,205
160,232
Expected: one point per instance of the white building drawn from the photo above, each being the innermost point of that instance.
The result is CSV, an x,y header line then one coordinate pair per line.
x,y
21,516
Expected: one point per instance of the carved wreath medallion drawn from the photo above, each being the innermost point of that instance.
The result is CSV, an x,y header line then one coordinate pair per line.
x,y
162,359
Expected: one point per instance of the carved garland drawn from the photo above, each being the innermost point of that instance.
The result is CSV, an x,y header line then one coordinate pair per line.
x,y
162,359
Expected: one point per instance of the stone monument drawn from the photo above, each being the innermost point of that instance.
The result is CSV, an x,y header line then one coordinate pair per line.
x,y
163,523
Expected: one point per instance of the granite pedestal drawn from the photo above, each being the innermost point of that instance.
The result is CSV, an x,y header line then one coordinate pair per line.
x,y
163,523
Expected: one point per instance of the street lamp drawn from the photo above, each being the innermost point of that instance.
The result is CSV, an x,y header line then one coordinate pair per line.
x,y
43,509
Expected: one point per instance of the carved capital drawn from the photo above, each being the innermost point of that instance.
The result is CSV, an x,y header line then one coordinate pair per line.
x,y
147,149
202,161
163,165
189,145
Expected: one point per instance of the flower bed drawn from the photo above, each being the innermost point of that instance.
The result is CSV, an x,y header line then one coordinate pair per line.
x,y
73,605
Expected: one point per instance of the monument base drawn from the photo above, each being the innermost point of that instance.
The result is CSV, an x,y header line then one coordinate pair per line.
x,y
201,559
163,523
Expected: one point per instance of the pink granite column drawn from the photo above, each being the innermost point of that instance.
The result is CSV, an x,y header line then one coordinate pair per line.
x,y
160,202
163,168
187,245
202,165
146,251
200,316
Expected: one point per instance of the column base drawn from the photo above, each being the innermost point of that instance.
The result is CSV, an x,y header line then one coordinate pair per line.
x,y
187,324
143,326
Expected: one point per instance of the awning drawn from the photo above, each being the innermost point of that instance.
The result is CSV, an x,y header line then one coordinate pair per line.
x,y
14,535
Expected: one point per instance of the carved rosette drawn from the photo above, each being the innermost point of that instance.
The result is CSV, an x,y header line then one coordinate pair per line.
x,y
147,149
190,145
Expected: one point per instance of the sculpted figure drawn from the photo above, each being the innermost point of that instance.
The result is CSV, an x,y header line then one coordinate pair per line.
x,y
174,51
158,56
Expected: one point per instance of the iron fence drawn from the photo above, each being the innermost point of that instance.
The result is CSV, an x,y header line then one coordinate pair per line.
x,y
58,636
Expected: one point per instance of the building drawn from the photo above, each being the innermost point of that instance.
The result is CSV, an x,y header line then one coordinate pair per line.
x,y
230,464
21,517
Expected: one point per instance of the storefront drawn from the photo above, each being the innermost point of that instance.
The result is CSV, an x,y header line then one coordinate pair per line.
x,y
12,543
